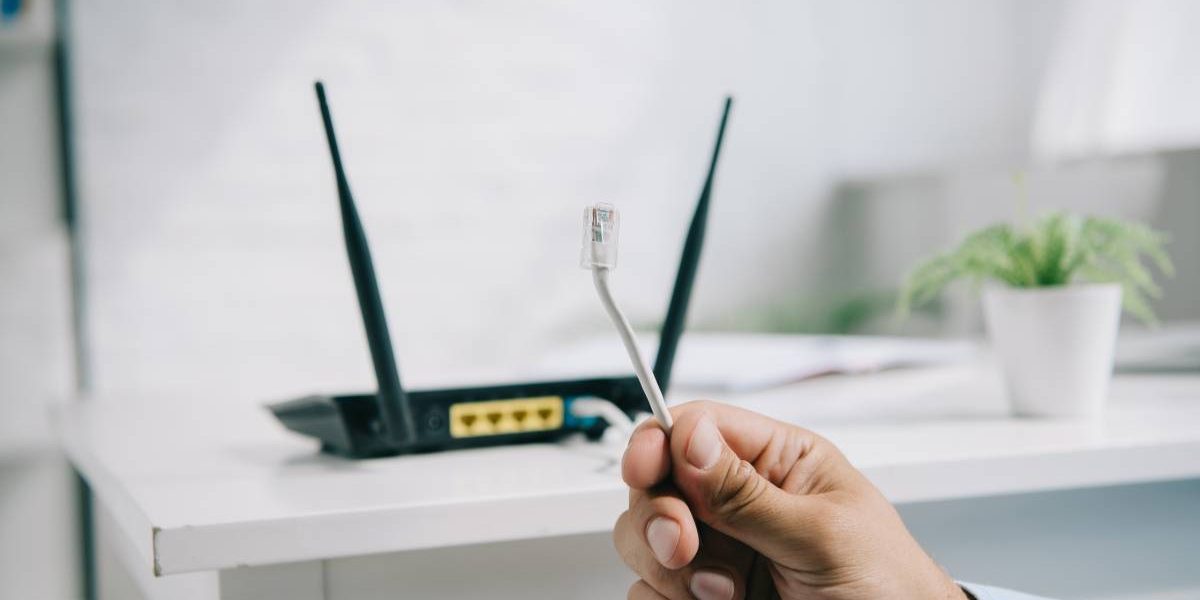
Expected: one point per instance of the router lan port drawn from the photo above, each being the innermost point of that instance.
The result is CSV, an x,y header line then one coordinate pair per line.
x,y
498,417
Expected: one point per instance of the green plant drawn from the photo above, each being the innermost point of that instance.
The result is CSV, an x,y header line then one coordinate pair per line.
x,y
1057,250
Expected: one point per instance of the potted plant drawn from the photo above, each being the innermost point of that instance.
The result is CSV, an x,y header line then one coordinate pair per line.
x,y
1052,302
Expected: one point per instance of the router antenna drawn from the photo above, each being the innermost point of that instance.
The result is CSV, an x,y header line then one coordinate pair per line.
x,y
673,325
392,401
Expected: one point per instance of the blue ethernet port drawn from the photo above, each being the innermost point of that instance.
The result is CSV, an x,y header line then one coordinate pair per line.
x,y
570,421
592,427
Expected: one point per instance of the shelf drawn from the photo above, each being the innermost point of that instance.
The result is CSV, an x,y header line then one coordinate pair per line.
x,y
198,485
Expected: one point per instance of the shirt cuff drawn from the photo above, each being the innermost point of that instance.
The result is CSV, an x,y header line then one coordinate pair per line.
x,y
984,592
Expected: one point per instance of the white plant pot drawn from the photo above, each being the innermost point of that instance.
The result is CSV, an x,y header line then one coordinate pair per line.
x,y
1055,346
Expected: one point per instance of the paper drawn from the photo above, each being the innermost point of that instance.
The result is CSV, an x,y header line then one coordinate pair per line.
x,y
739,362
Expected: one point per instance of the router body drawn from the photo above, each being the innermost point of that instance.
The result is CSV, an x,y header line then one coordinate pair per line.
x,y
458,418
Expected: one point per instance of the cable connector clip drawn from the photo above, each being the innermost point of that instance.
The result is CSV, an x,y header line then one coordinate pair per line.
x,y
601,226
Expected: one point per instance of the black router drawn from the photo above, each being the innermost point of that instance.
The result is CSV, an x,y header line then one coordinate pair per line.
x,y
395,421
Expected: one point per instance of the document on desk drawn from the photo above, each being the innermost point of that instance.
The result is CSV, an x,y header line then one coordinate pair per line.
x,y
1172,348
744,362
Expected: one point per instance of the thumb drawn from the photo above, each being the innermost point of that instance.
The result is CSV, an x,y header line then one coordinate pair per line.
x,y
727,492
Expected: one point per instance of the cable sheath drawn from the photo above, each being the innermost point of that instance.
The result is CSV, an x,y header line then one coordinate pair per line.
x,y
649,384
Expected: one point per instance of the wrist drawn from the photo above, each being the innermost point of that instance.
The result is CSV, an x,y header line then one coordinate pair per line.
x,y
953,591
942,586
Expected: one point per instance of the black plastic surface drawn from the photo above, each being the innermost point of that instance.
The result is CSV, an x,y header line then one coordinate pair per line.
x,y
352,426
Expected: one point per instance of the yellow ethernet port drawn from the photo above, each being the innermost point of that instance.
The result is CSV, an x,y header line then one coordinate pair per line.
x,y
497,417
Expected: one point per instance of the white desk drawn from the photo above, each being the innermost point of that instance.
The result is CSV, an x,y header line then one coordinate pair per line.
x,y
221,502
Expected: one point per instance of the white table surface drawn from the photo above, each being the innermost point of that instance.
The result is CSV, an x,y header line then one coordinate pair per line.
x,y
203,486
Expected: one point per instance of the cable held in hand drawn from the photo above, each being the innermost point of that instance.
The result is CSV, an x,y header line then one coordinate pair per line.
x,y
601,225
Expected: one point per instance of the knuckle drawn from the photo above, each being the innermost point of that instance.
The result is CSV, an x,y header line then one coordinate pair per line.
x,y
638,499
738,492
644,590
666,582
822,447
701,405
636,590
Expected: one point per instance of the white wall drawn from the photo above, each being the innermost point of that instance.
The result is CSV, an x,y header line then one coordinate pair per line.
x,y
474,133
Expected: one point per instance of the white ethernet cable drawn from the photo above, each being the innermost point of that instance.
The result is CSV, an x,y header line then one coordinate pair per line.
x,y
600,228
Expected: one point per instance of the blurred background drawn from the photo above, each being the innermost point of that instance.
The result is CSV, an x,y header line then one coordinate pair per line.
x,y
168,219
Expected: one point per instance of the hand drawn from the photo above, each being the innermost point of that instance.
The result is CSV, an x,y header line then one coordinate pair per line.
x,y
736,505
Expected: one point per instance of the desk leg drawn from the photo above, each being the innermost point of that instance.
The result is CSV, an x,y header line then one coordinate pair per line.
x,y
295,581
87,544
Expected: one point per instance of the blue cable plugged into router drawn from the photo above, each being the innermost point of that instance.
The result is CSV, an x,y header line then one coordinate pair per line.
x,y
398,421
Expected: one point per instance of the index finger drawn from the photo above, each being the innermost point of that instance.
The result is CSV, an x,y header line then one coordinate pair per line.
x,y
647,459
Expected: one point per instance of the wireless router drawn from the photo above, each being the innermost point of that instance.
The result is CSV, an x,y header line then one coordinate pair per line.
x,y
395,421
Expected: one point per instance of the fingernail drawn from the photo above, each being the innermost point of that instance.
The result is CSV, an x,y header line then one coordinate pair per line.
x,y
711,585
663,535
705,446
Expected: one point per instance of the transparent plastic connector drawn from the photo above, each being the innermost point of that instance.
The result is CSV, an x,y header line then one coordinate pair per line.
x,y
601,225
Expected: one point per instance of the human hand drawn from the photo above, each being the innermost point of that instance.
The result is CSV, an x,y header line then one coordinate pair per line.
x,y
737,505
